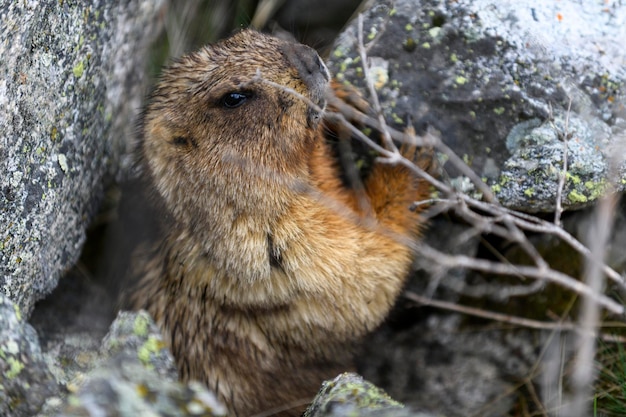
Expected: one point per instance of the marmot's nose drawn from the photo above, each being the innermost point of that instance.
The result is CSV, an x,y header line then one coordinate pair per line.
x,y
314,75
310,66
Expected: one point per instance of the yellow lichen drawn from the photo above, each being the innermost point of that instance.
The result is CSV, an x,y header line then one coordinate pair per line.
x,y
140,326
15,367
576,197
150,347
79,69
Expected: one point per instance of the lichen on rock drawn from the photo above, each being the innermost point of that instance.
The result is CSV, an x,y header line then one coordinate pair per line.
x,y
538,154
135,375
70,87
475,72
25,380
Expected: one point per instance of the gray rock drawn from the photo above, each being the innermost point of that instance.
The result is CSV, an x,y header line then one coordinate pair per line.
x,y
25,380
70,86
537,152
440,367
71,323
136,376
350,395
496,80
136,333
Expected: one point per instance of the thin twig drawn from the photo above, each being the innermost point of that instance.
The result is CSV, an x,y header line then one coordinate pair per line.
x,y
563,173
496,291
537,225
372,90
508,319
477,312
461,261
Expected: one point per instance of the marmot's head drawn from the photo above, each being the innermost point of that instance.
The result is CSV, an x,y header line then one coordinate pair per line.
x,y
225,119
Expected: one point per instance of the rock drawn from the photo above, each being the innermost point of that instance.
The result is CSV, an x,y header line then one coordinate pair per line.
x,y
135,334
136,376
70,85
497,82
438,366
126,388
348,394
26,382
350,391
71,323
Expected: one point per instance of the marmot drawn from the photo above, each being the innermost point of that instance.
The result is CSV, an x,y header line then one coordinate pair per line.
x,y
270,268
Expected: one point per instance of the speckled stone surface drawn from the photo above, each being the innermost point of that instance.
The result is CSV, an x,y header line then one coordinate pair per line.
x,y
350,395
496,81
442,366
70,86
135,376
25,380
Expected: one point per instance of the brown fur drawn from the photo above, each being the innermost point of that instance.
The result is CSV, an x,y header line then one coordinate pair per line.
x,y
269,270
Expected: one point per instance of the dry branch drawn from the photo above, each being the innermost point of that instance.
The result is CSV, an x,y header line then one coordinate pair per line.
x,y
486,216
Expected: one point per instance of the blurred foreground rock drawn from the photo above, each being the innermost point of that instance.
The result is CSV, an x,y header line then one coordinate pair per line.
x,y
350,395
136,376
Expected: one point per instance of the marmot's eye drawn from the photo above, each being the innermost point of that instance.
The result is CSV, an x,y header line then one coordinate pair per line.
x,y
183,141
235,99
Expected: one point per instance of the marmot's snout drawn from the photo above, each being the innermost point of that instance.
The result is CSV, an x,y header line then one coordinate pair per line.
x,y
313,73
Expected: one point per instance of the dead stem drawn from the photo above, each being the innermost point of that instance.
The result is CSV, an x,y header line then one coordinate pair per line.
x,y
563,173
584,372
